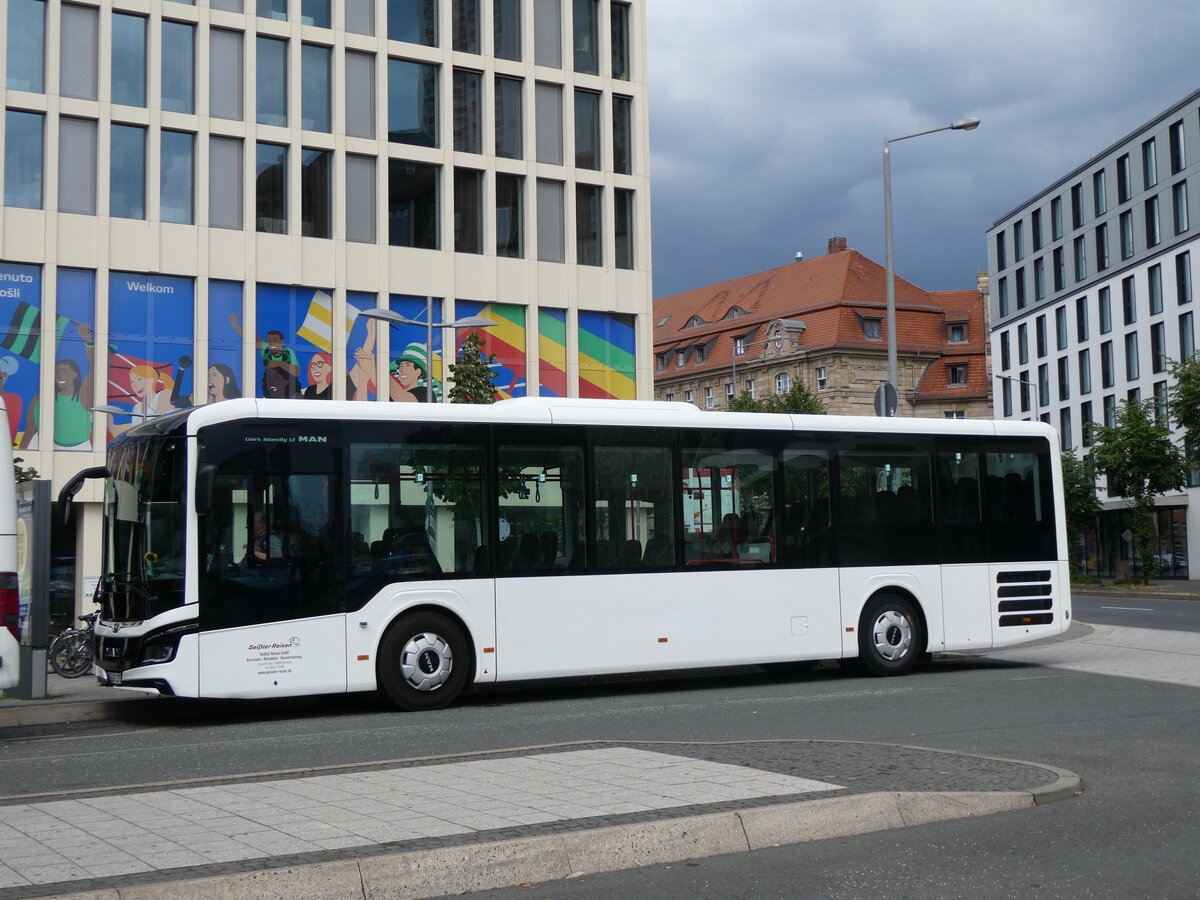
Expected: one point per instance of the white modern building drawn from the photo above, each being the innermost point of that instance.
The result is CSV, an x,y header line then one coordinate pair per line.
x,y
1092,288
193,190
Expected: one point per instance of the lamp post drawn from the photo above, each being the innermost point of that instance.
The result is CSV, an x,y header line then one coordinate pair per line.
x,y
961,125
1034,388
394,318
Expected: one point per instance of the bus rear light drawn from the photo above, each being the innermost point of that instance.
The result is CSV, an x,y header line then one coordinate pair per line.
x,y
363,657
662,640
10,602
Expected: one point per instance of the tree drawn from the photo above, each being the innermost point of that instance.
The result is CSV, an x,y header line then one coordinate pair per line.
x,y
798,400
1140,461
473,373
1184,404
1079,491
23,473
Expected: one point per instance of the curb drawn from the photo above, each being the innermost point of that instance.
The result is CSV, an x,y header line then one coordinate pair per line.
x,y
498,864
58,712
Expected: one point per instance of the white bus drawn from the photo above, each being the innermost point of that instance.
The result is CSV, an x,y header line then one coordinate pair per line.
x,y
10,648
258,548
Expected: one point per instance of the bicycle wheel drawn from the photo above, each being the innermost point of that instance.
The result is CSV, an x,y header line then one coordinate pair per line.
x,y
71,654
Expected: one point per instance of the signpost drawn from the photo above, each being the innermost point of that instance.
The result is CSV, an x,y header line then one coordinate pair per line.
x,y
886,400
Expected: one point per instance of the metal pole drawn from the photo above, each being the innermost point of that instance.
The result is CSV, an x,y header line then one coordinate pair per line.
x,y
429,345
891,270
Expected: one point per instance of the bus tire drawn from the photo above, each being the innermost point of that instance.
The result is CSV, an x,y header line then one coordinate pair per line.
x,y
423,662
891,636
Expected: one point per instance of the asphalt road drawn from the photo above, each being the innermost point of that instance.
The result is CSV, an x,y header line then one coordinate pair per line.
x,y
1131,834
1137,611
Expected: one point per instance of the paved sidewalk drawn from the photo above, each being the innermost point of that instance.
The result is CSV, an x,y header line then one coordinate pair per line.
x,y
1159,588
433,827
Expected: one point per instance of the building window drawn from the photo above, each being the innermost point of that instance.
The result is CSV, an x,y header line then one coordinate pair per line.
x,y
1128,300
739,346
1187,342
77,166
822,379
622,134
1123,179
1064,378
1077,206
1056,219
1081,319
77,74
1035,229
412,21
128,59
1158,348
872,329
550,221
1001,255
464,16
412,103
468,211
750,388
670,398
1101,246
1060,327
1105,304
783,383
680,358
1132,370
547,34
1022,344
548,123
1005,351
360,95
586,28
1064,429
1152,233
1006,395
1156,292
413,205
506,29
177,177
270,188
1107,370
1080,258
954,414
623,228
271,82
315,13
360,16
1160,402
1085,371
1039,278
956,375
27,46
468,111
316,189
1040,329
1085,422
509,118
1149,165
1110,411
360,198
225,182
1178,154
314,87
1179,204
224,74
958,333
1183,277
1043,385
1018,240
1099,200
587,129
728,392
1126,234
620,40
588,243
660,362
1134,395
510,215
1023,381
1060,270
708,398
1019,281
24,157
179,67
272,9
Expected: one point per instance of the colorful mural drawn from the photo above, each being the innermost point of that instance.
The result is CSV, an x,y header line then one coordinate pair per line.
x,y
505,340
20,343
552,352
411,368
294,342
606,356
224,376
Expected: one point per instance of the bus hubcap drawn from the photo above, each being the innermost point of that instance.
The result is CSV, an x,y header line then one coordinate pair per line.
x,y
426,661
893,635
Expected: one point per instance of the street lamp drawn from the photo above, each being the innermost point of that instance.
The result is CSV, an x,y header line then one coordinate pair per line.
x,y
1034,388
961,125
394,318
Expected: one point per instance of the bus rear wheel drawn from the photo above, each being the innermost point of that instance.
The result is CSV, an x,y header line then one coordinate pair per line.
x,y
891,636
423,662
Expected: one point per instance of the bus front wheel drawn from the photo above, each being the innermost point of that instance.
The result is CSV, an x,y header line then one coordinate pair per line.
x,y
891,636
423,662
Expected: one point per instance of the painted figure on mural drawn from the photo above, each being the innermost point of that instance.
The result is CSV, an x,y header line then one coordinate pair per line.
x,y
410,381
72,402
222,383
281,368
12,402
151,391
320,377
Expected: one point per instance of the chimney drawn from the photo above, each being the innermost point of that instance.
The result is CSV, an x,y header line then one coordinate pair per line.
x,y
799,256
837,245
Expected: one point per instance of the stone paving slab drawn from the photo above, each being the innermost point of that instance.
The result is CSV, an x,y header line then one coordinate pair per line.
x,y
443,819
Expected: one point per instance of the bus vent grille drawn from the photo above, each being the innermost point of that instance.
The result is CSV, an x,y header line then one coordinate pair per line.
x,y
1025,598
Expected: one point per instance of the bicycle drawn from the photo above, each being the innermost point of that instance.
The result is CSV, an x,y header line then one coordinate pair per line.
x,y
70,653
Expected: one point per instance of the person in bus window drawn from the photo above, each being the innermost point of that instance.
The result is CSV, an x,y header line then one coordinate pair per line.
x,y
264,543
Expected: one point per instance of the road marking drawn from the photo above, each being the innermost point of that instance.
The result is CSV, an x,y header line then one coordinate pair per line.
x,y
1131,608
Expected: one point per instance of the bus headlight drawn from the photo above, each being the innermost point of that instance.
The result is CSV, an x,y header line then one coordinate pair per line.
x,y
153,654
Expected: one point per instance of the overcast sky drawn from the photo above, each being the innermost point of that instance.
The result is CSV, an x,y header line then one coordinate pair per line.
x,y
768,119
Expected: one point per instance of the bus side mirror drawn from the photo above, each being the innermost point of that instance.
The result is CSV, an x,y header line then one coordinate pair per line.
x,y
206,476
72,487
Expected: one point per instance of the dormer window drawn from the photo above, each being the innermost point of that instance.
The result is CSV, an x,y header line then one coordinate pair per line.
x,y
872,329
958,333
739,346
701,353
735,312
956,376
661,362
695,322
680,358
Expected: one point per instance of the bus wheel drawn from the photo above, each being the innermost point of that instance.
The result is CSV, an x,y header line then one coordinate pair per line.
x,y
423,662
891,638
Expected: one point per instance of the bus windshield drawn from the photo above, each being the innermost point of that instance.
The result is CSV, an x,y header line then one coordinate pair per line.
x,y
144,512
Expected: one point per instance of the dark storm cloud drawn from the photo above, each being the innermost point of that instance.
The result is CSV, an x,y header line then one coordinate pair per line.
x,y
768,119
